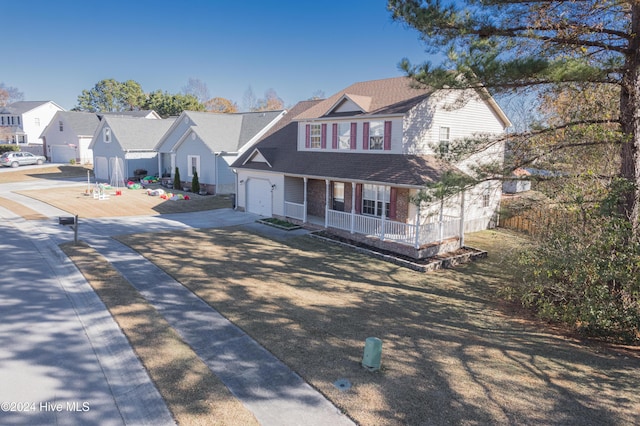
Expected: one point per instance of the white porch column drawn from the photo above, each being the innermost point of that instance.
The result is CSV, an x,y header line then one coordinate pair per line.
x,y
353,207
441,222
417,242
462,197
304,203
326,203
383,216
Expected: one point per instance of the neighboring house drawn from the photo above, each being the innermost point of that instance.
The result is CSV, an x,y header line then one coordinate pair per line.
x,y
207,143
23,122
354,162
122,145
149,114
68,136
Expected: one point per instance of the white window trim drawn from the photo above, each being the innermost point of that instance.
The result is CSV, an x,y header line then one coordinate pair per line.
x,y
190,159
315,140
344,136
376,132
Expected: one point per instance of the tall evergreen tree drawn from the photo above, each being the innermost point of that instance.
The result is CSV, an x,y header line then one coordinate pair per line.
x,y
512,45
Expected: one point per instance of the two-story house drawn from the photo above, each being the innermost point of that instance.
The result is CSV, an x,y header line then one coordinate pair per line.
x,y
23,122
355,162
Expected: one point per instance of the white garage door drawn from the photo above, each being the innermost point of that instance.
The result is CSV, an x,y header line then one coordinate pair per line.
x,y
101,169
259,197
62,153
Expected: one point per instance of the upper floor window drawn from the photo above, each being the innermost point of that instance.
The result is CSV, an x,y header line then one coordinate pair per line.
x,y
344,135
36,121
315,136
106,135
61,126
376,135
444,139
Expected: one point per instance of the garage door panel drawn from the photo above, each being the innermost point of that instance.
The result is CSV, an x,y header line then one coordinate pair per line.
x,y
62,153
259,197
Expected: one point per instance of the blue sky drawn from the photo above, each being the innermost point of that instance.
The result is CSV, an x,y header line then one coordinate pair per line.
x,y
296,47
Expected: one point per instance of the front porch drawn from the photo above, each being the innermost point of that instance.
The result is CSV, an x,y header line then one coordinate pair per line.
x,y
422,241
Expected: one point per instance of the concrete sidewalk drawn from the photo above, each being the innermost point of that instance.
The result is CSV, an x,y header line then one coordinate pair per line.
x,y
63,359
275,394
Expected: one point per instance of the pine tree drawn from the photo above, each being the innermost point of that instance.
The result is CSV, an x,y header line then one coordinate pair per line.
x,y
507,46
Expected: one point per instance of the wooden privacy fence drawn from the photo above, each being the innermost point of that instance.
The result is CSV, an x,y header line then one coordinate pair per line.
x,y
534,220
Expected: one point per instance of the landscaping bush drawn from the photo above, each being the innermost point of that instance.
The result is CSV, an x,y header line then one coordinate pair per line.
x,y
585,273
9,148
177,183
195,183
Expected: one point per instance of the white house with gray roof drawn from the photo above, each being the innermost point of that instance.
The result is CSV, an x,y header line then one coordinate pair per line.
x,y
207,143
68,135
23,122
122,145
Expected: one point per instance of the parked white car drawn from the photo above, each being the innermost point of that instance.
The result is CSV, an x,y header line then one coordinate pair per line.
x,y
15,159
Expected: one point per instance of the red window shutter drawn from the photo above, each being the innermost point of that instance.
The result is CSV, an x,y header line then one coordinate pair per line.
x,y
365,136
307,138
358,198
334,136
387,135
393,200
354,131
323,137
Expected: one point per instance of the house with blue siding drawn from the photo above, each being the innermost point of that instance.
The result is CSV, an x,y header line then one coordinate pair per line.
x,y
207,143
122,144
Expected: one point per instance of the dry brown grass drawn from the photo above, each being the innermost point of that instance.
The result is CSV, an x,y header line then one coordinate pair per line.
x,y
44,172
451,355
194,395
133,202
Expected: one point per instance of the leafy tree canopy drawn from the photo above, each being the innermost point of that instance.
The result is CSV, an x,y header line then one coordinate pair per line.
x,y
9,95
166,104
221,105
112,96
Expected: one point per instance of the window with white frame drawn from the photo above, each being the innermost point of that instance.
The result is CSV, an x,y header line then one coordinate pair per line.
x,y
486,196
338,196
193,164
61,126
376,135
106,135
444,139
344,135
315,136
36,121
374,199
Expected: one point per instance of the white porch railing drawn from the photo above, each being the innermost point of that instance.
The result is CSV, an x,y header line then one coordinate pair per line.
x,y
294,210
403,233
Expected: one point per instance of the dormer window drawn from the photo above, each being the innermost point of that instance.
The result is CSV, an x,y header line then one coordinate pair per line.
x,y
106,134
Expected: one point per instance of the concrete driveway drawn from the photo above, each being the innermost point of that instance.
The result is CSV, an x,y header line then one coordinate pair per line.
x,y
69,363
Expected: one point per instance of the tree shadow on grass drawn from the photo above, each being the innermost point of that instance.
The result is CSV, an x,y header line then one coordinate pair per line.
x,y
450,355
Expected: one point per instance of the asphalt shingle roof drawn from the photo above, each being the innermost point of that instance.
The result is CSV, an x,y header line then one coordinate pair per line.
x,y
387,96
279,148
229,132
137,133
